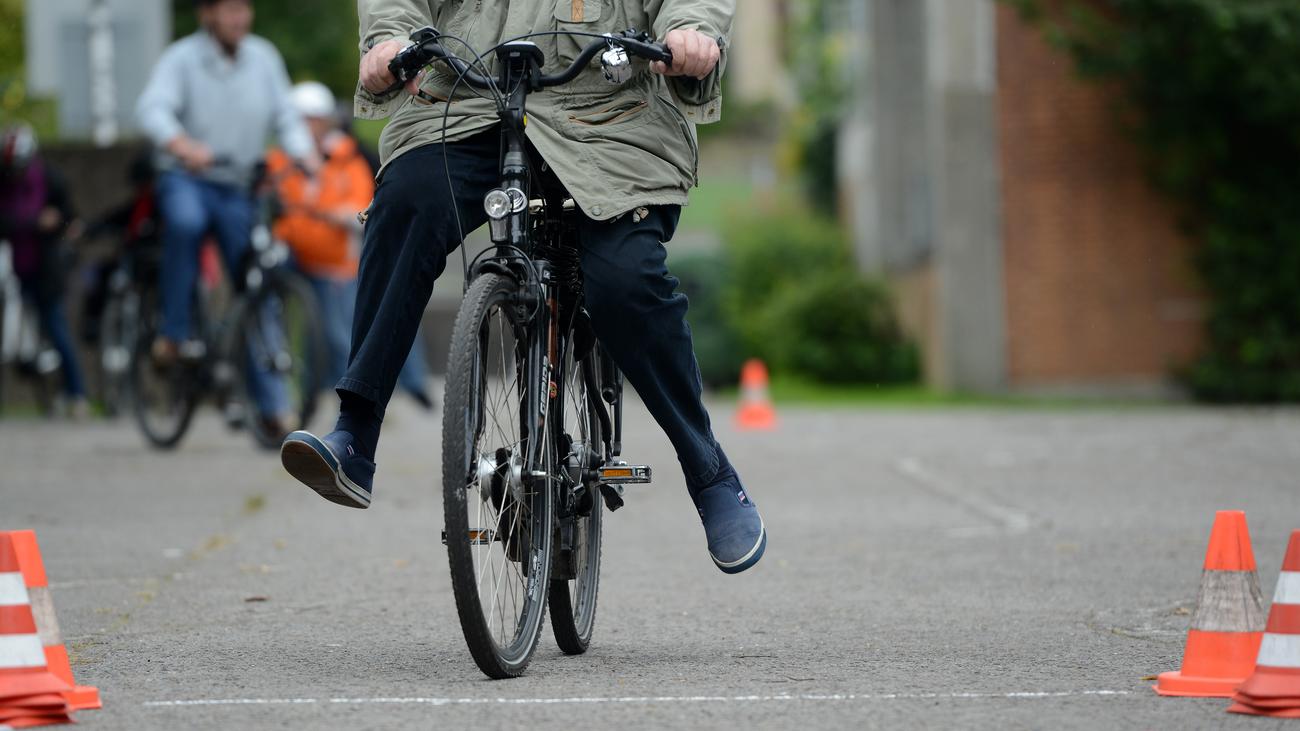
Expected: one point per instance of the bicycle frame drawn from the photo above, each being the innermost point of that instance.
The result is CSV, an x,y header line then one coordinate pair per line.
x,y
539,291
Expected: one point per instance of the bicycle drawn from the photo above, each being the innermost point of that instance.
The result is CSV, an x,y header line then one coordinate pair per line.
x,y
532,424
270,327
22,346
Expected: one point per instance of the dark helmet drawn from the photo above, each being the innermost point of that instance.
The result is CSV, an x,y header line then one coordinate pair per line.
x,y
17,147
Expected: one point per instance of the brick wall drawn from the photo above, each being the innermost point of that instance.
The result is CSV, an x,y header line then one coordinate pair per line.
x,y
1099,288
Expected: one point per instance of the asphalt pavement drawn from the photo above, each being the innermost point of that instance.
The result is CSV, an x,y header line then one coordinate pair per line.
x,y
964,568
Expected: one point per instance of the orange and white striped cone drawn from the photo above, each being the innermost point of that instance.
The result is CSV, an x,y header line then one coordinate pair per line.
x,y
1229,619
1274,689
81,697
756,412
30,695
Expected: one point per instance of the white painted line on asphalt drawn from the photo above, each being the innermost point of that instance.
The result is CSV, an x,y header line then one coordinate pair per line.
x,y
640,700
1008,519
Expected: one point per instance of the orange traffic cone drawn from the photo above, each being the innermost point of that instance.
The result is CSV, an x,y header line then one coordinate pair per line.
x,y
30,695
82,698
1229,619
1274,689
756,412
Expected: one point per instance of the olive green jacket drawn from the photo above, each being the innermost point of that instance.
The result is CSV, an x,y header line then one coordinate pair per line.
x,y
615,148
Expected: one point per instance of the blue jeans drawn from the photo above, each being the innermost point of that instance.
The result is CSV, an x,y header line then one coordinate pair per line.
x,y
190,209
338,300
54,323
636,311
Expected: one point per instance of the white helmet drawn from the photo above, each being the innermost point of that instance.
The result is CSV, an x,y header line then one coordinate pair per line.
x,y
313,100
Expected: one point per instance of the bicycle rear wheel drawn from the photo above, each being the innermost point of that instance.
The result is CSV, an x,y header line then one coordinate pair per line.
x,y
575,577
279,351
498,519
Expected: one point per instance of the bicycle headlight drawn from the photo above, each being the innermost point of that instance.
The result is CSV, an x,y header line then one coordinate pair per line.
x,y
497,204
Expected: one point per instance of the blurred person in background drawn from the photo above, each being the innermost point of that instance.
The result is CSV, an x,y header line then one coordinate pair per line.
x,y
36,217
213,101
321,228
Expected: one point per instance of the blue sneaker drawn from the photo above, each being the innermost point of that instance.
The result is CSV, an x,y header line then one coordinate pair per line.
x,y
330,466
737,536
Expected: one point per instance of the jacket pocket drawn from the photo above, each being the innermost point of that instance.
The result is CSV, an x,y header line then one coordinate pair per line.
x,y
578,11
620,111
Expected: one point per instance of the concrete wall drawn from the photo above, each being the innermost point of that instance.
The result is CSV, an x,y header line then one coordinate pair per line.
x,y
926,209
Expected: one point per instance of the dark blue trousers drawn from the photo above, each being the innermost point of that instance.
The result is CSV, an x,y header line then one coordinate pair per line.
x,y
637,313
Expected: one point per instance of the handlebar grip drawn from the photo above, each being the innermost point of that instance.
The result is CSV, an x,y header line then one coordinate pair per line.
x,y
663,53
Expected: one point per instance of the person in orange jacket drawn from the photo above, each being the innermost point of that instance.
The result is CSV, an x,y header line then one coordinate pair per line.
x,y
319,223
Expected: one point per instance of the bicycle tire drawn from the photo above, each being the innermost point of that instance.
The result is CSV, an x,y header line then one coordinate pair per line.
x,y
180,382
114,343
299,319
573,600
505,507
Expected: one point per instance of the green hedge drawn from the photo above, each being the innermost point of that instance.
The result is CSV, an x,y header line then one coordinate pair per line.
x,y
785,289
1213,96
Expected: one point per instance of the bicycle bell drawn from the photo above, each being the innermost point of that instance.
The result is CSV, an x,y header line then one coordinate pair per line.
x,y
616,64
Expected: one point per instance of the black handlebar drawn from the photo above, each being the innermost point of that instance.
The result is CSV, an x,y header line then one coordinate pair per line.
x,y
426,48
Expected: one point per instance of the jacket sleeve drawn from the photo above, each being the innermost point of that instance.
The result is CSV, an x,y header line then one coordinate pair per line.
x,y
385,20
700,99
159,107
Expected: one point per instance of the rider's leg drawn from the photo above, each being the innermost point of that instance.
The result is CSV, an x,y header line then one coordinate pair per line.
x,y
640,319
336,297
410,231
185,223
414,376
232,223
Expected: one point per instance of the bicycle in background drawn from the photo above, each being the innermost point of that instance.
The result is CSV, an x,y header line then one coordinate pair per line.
x,y
269,337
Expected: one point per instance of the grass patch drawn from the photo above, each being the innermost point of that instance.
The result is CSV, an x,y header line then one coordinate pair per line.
x,y
715,200
792,391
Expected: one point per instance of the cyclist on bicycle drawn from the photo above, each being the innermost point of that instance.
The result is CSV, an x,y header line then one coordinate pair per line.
x,y
213,101
626,155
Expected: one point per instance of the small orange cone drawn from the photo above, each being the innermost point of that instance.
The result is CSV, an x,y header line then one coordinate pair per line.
x,y
1229,619
30,695
82,698
756,412
1274,689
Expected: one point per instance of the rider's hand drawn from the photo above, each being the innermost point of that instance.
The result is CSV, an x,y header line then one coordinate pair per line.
x,y
194,155
694,54
375,76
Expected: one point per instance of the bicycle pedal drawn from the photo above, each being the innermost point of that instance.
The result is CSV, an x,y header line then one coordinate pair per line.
x,y
625,474
476,537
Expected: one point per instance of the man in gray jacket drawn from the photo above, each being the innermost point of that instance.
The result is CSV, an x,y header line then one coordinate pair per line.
x,y
627,156
213,102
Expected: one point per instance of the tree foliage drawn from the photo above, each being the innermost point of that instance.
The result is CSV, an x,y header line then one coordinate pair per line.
x,y
1212,91
318,40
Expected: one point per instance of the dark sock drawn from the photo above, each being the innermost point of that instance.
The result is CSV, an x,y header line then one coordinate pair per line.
x,y
357,417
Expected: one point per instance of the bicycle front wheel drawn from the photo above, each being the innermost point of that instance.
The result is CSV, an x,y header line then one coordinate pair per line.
x,y
498,527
